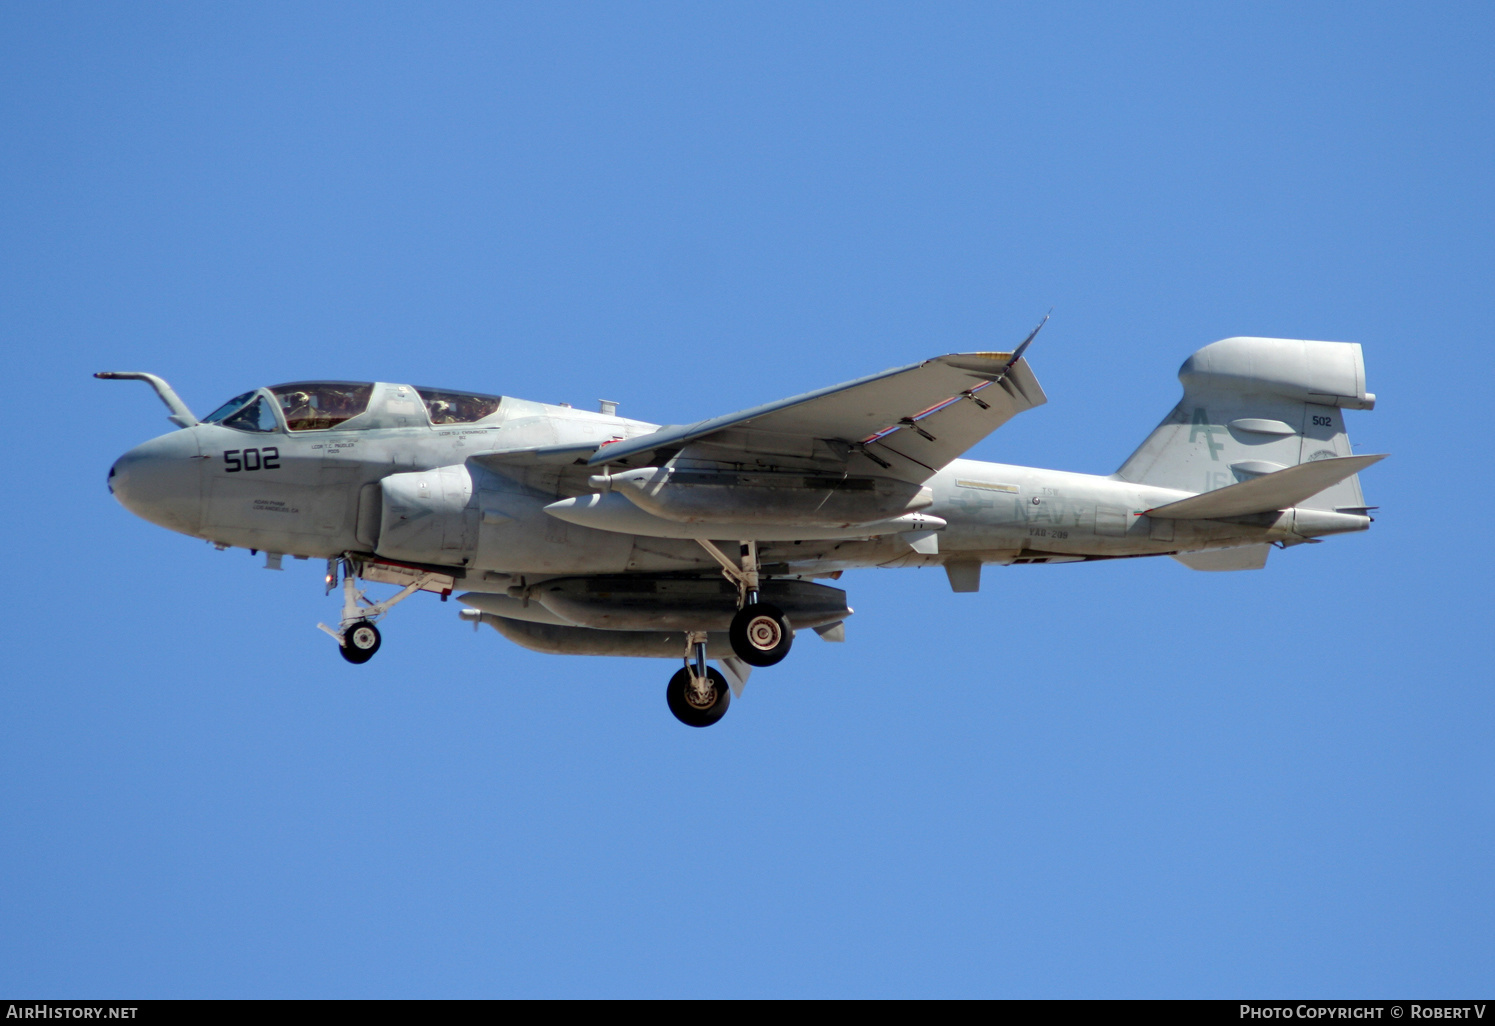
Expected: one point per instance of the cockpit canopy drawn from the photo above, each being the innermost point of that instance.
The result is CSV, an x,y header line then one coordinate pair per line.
x,y
247,412
319,405
306,406
447,407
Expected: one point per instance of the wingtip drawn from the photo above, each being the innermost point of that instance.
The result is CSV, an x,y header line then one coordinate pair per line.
x,y
1017,354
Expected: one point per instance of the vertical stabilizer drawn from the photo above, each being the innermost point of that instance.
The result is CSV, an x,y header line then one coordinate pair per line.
x,y
1254,406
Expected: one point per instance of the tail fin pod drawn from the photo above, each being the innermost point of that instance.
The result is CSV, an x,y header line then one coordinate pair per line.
x,y
1254,406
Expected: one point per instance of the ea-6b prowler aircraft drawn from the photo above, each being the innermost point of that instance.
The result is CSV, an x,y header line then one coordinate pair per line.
x,y
573,532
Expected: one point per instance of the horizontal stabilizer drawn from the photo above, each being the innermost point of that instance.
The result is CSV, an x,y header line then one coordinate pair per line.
x,y
1281,490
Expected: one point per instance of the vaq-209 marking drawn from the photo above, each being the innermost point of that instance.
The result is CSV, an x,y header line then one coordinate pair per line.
x,y
572,532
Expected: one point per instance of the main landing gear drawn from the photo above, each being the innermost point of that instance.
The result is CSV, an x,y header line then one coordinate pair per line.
x,y
760,632
356,636
698,694
760,635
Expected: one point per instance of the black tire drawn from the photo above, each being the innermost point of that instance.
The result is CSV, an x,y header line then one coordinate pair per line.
x,y
760,634
680,696
360,642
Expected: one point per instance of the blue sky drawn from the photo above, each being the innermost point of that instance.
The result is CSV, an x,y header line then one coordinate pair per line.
x,y
1124,779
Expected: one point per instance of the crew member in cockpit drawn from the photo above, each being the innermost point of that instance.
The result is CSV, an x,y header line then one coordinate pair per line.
x,y
298,409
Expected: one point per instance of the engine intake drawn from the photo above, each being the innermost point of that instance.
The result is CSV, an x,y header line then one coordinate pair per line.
x,y
428,517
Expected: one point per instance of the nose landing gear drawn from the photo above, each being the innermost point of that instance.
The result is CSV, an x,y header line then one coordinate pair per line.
x,y
356,636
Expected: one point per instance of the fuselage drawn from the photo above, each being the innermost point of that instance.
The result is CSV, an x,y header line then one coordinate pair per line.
x,y
392,484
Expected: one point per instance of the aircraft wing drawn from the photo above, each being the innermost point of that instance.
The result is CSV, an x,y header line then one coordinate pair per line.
x,y
908,421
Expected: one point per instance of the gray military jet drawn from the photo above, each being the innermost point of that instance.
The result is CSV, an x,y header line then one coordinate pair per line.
x,y
581,533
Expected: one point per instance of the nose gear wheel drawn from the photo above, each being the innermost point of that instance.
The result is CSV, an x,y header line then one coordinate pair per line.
x,y
360,642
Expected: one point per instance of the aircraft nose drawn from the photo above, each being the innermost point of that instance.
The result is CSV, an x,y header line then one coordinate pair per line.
x,y
161,481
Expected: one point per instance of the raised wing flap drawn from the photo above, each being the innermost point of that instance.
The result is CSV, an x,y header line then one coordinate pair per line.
x,y
1281,490
910,421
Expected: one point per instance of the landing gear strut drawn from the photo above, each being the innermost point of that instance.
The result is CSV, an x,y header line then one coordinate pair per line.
x,y
760,632
698,694
356,636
